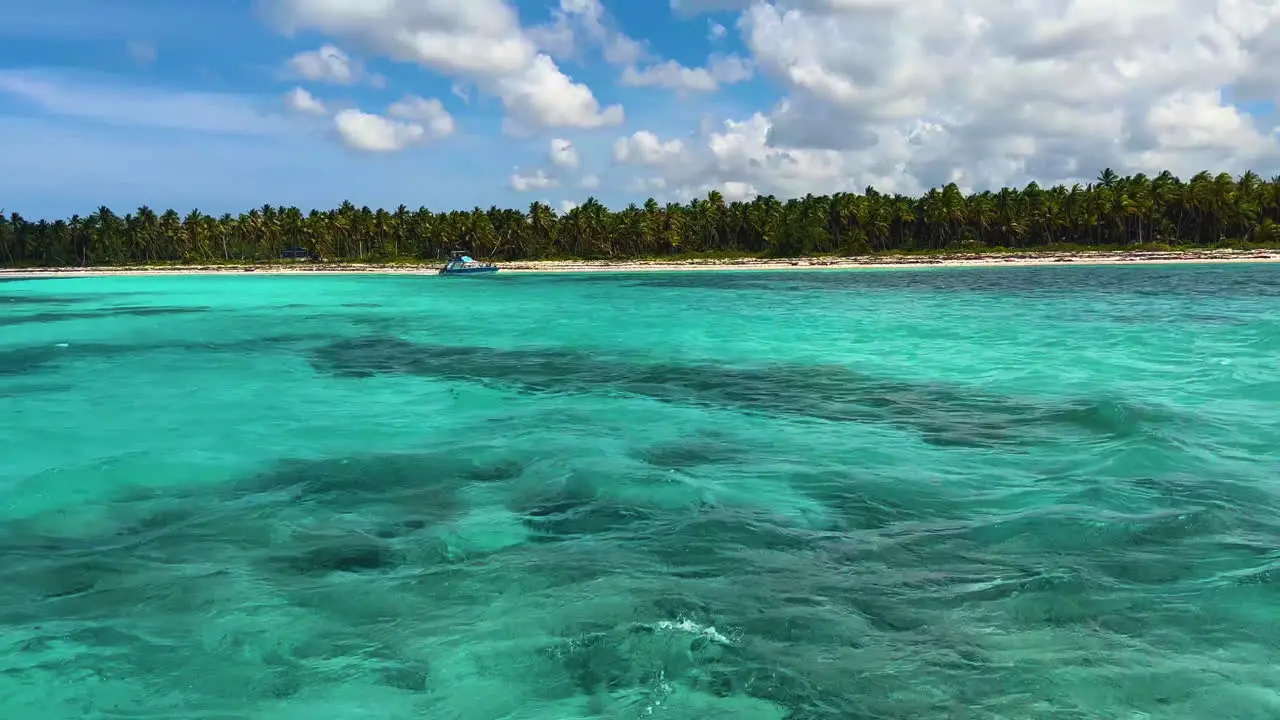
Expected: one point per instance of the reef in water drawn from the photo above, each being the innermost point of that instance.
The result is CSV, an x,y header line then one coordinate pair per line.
x,y
942,415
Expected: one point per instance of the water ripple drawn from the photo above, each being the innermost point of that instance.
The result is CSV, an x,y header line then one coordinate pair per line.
x,y
1042,493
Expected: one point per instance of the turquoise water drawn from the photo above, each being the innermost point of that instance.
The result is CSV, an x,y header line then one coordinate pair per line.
x,y
949,493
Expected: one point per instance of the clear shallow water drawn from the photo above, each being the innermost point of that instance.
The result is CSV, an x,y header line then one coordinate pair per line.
x,y
965,493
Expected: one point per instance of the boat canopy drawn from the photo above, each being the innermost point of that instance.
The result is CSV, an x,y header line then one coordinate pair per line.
x,y
465,259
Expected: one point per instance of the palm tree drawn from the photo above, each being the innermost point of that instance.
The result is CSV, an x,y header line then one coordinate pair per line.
x,y
1209,209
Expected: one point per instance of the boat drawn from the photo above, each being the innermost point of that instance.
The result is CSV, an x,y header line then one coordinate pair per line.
x,y
463,264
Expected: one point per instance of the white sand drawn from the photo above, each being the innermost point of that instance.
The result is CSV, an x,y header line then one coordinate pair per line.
x,y
545,266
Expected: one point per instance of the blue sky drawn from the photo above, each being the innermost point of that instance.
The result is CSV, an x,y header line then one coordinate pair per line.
x,y
182,103
178,104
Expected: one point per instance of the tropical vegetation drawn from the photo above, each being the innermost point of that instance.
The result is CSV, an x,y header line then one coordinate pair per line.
x,y
1112,212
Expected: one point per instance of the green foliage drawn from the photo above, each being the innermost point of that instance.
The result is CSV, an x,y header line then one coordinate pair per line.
x,y
1137,212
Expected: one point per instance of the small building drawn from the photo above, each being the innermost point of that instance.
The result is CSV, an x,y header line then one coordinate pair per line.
x,y
299,254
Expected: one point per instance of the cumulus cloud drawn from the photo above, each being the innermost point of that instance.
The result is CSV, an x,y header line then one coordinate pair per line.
x,y
577,25
429,112
299,100
902,95
720,70
479,41
409,122
645,148
736,159
539,180
368,132
562,153
905,95
646,185
328,64
735,191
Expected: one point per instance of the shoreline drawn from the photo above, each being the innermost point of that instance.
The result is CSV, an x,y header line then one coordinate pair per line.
x,y
569,266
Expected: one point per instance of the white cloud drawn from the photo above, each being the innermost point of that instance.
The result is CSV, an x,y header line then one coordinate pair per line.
x,y
735,159
328,64
90,98
578,24
735,191
896,94
589,182
376,134
479,41
431,112
567,206
562,153
642,185
730,69
299,100
539,180
1192,131
905,95
646,148
558,37
720,70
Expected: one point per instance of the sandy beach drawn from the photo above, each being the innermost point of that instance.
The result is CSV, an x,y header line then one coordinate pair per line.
x,y
565,266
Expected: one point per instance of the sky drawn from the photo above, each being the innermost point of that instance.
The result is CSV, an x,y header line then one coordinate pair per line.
x,y
451,104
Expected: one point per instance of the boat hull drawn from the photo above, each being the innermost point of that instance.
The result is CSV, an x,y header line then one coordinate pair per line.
x,y
470,271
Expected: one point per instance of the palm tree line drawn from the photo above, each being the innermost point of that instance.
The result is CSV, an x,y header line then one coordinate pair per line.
x,y
1112,212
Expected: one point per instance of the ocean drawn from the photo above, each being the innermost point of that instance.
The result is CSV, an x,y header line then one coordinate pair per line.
x,y
1046,492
